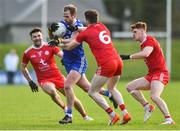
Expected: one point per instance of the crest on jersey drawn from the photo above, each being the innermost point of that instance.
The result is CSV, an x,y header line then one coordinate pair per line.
x,y
46,52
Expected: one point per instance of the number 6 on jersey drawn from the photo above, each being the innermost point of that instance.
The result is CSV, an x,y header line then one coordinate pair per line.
x,y
104,38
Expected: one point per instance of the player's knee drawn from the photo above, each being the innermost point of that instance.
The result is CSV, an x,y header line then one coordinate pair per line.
x,y
52,93
154,97
129,88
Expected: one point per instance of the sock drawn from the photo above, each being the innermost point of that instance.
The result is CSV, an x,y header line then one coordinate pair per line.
x,y
123,109
107,93
69,112
168,118
110,112
146,106
65,109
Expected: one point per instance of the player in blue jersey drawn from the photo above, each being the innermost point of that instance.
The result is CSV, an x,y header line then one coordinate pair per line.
x,y
75,62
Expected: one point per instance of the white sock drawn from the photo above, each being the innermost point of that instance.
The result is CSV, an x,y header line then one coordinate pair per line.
x,y
168,119
124,112
146,107
70,115
65,110
112,114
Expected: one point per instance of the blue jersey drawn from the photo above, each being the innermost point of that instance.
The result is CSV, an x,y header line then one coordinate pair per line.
x,y
74,59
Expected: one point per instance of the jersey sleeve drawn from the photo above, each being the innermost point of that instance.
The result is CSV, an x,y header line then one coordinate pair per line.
x,y
148,43
25,59
56,50
78,23
81,37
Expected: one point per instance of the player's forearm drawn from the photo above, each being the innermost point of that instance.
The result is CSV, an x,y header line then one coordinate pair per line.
x,y
71,45
139,55
65,40
26,73
73,36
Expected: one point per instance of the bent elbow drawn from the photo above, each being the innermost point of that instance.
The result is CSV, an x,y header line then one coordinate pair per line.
x,y
146,55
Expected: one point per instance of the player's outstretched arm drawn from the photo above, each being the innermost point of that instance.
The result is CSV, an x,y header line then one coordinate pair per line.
x,y
76,28
140,55
26,74
71,45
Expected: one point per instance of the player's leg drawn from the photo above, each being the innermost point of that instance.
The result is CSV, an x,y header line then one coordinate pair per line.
x,y
84,84
107,93
134,88
78,106
96,84
156,90
71,79
50,89
111,84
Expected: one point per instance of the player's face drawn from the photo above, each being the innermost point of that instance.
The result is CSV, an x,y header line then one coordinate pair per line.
x,y
68,17
137,34
37,38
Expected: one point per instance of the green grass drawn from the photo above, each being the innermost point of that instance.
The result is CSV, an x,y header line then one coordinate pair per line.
x,y
22,109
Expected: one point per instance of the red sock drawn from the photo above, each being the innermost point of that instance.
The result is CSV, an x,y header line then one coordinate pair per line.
x,y
145,104
167,116
122,107
109,110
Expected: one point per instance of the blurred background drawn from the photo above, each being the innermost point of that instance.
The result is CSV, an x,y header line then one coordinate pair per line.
x,y
18,17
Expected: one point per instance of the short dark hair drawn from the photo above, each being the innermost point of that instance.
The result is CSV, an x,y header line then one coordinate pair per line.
x,y
91,16
34,30
72,8
139,25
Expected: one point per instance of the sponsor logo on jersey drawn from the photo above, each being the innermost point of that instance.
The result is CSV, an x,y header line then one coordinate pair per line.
x,y
39,53
42,62
33,56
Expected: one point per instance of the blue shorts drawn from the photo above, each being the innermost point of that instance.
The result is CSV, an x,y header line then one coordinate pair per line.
x,y
78,65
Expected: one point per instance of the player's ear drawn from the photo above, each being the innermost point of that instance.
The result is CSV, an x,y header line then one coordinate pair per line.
x,y
73,16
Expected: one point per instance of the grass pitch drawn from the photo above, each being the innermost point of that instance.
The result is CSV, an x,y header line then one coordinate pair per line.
x,y
22,109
